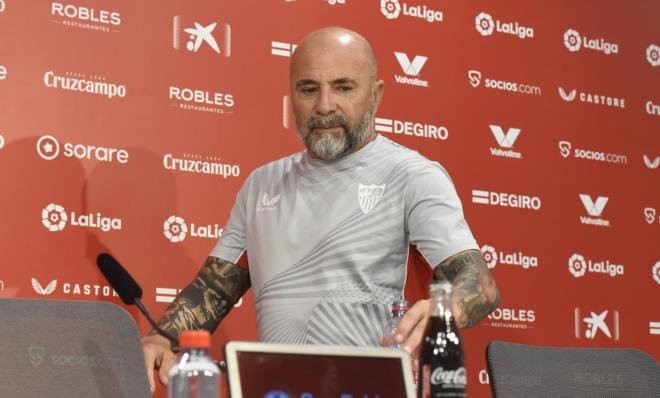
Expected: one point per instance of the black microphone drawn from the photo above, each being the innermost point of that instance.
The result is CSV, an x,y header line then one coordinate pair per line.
x,y
127,289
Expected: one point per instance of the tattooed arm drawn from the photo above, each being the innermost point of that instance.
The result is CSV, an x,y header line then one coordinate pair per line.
x,y
475,296
475,293
201,305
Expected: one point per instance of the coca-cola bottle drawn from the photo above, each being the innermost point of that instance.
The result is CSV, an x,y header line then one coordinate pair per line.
x,y
441,366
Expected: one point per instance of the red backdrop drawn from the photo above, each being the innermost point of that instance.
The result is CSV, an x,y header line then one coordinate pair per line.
x,y
115,124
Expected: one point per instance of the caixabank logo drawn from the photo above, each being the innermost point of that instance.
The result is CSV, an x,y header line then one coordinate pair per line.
x,y
486,25
209,37
200,100
601,323
49,148
176,230
78,16
579,266
55,218
574,42
411,128
393,9
518,259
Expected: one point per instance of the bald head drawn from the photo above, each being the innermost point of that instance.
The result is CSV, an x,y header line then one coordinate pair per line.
x,y
334,92
341,44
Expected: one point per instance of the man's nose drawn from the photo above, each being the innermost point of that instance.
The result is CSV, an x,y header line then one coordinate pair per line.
x,y
326,102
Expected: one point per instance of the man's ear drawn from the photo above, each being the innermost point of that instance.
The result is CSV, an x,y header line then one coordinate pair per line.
x,y
377,92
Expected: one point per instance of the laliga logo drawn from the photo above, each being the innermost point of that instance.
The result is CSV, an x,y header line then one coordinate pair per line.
x,y
484,24
390,8
175,229
53,217
490,255
578,266
653,55
572,40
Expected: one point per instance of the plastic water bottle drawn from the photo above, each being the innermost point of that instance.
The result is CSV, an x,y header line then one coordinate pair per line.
x,y
399,308
194,375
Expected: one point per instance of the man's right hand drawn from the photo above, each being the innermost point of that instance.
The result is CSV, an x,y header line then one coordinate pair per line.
x,y
157,355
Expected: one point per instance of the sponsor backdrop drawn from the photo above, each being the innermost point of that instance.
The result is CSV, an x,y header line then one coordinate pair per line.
x,y
128,127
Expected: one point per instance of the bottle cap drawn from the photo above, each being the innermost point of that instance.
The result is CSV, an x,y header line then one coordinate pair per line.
x,y
440,286
195,339
400,305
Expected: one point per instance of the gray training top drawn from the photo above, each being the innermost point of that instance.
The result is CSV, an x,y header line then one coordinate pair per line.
x,y
328,241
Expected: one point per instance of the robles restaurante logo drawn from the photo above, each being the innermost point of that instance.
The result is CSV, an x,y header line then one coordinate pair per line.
x,y
76,16
175,229
578,266
54,218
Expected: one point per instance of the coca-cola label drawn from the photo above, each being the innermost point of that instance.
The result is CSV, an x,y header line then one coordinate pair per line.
x,y
450,378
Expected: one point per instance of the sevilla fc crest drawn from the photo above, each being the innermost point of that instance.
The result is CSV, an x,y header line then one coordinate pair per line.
x,y
369,196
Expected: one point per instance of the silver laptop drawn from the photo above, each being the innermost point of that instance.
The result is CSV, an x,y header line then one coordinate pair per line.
x,y
264,370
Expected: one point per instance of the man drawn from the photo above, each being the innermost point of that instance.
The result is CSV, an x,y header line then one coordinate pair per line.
x,y
328,230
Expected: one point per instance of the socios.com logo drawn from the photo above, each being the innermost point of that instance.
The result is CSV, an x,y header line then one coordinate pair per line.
x,y
572,40
656,272
390,8
54,217
490,255
577,265
175,229
485,24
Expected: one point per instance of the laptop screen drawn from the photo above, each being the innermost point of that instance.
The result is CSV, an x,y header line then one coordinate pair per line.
x,y
284,371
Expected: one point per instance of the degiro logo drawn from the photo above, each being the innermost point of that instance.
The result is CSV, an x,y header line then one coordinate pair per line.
x,y
48,148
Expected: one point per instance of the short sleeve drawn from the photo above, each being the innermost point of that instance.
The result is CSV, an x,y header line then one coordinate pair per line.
x,y
232,243
435,220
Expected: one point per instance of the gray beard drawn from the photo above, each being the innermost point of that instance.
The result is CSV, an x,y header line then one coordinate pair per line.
x,y
333,146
